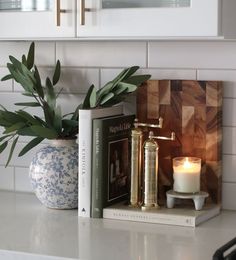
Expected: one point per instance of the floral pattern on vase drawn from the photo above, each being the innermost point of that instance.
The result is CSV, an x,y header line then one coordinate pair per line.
x,y
54,174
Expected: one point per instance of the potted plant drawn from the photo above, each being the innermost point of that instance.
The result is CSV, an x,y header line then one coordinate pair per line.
x,y
54,168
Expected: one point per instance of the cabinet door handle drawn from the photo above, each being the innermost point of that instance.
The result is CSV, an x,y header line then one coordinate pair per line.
x,y
82,12
58,12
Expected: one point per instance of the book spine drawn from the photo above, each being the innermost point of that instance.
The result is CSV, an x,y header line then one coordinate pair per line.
x,y
85,132
85,154
187,221
97,171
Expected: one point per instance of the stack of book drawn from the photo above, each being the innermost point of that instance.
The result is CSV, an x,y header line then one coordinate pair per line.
x,y
104,159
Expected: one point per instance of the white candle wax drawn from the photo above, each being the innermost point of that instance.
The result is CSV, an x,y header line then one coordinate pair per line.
x,y
187,174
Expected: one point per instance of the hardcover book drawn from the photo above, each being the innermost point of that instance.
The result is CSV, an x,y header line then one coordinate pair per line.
x,y
85,153
111,161
184,216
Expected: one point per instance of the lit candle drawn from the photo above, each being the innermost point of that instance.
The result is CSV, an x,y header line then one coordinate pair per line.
x,y
187,174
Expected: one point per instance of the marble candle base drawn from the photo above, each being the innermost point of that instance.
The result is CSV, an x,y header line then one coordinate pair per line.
x,y
198,198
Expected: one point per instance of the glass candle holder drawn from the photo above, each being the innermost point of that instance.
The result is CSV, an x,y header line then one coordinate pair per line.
x,y
187,172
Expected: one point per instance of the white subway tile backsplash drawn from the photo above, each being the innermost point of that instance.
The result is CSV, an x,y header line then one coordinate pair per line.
x,y
6,178
22,181
229,88
229,168
8,100
192,54
229,140
109,74
96,62
229,112
178,74
44,52
228,196
101,54
25,160
217,74
69,102
78,80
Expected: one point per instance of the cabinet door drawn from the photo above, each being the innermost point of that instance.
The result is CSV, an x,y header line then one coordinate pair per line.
x,y
148,18
37,18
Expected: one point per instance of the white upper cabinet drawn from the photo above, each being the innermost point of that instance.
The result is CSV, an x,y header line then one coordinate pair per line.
x,y
37,19
116,19
156,18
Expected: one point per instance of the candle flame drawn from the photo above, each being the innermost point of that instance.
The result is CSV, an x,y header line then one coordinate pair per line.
x,y
187,164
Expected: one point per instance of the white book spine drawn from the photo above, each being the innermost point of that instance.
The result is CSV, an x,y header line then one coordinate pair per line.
x,y
85,153
188,218
187,221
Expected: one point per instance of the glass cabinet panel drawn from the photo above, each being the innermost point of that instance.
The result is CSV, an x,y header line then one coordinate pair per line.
x,y
25,5
106,4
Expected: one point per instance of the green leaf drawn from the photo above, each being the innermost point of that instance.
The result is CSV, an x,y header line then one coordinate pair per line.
x,y
115,100
70,127
48,114
27,73
3,107
40,121
50,94
125,74
23,59
38,84
75,115
14,127
68,122
129,87
30,145
130,72
57,122
25,82
44,132
27,131
105,89
12,71
3,146
90,99
30,56
120,88
12,150
4,137
28,104
107,98
57,73
138,79
16,63
7,77
29,119
27,94
93,98
11,117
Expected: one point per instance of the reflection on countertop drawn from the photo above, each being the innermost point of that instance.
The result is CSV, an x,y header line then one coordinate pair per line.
x,y
27,226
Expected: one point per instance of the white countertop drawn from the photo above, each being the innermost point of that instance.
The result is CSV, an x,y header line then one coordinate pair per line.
x,y
27,226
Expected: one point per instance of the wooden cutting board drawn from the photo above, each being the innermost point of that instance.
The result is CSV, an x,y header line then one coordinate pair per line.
x,y
193,110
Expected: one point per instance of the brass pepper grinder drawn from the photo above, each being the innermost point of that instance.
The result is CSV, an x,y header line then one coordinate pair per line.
x,y
136,165
136,161
150,173
151,170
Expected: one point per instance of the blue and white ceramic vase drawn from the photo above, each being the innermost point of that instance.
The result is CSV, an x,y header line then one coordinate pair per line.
x,y
54,174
